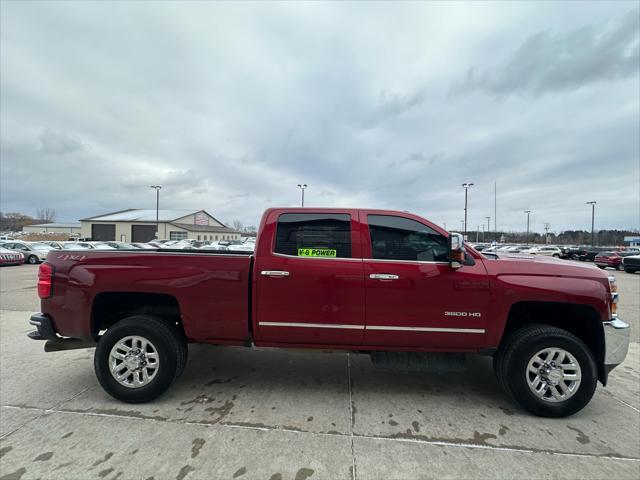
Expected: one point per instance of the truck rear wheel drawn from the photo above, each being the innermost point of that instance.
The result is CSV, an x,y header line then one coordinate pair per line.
x,y
138,358
548,371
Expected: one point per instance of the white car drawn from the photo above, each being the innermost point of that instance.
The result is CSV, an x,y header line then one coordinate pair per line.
x,y
550,251
76,246
245,247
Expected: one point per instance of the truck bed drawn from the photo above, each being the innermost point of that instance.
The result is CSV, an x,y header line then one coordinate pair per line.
x,y
210,289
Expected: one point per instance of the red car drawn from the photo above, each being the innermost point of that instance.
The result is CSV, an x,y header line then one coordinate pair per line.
x,y
9,257
610,259
388,284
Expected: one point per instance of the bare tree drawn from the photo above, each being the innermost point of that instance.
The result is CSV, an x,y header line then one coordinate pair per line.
x,y
45,215
14,221
237,225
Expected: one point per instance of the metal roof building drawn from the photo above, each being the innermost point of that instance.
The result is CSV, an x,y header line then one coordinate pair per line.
x,y
68,228
135,225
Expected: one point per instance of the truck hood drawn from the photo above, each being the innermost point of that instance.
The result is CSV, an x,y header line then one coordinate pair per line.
x,y
524,264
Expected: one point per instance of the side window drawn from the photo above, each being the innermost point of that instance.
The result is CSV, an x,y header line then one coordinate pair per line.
x,y
314,235
398,238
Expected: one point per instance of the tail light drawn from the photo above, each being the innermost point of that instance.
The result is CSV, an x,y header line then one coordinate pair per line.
x,y
45,280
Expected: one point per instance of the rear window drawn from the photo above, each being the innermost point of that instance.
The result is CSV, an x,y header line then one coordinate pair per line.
x,y
326,235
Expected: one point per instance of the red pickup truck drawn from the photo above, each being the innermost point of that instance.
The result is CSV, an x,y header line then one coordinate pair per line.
x,y
390,284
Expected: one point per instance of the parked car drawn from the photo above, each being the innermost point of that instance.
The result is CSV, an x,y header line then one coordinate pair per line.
x,y
147,246
549,251
76,246
389,284
101,246
53,244
590,253
10,257
609,259
33,252
631,263
122,245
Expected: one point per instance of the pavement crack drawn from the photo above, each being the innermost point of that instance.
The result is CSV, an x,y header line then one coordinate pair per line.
x,y
351,419
424,440
44,412
621,401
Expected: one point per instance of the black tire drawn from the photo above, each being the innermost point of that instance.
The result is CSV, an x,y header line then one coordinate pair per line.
x,y
629,270
167,340
512,359
602,267
620,267
556,255
32,260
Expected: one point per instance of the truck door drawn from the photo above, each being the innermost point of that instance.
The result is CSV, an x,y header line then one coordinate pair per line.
x,y
309,280
413,297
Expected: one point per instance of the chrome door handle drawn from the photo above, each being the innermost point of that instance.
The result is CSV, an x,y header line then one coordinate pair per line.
x,y
383,276
274,273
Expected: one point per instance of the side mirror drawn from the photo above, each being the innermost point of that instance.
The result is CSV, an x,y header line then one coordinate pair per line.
x,y
456,250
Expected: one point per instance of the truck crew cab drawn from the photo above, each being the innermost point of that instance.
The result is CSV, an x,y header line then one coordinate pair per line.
x,y
386,283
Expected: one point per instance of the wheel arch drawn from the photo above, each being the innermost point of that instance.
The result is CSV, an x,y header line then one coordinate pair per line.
x,y
110,307
583,321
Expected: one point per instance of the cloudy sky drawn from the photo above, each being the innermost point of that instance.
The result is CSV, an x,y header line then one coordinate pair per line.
x,y
230,106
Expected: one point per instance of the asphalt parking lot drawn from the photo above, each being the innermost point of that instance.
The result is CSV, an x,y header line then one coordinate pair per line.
x,y
241,414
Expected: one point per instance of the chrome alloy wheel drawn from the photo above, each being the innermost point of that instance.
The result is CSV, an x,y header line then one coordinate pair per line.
x,y
553,375
134,361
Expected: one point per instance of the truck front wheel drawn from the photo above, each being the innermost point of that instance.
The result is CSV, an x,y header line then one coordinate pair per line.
x,y
548,371
139,357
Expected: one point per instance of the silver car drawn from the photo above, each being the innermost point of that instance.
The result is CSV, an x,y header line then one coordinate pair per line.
x,y
34,252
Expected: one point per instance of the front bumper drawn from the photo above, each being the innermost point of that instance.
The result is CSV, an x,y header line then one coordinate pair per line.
x,y
616,345
616,341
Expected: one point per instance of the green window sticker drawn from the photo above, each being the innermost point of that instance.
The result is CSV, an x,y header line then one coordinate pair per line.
x,y
317,252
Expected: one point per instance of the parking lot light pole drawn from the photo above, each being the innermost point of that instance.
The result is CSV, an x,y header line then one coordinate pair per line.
x,y
593,216
157,188
302,186
528,212
488,224
466,187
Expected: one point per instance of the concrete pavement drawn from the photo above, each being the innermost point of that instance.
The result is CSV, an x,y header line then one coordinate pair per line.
x,y
241,414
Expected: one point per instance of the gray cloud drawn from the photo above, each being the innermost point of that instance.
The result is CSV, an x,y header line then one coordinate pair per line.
x,y
556,62
230,106
58,143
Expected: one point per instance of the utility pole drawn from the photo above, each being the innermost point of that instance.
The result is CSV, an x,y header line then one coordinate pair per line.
x,y
462,225
528,212
488,226
547,226
593,216
483,232
302,186
495,209
157,189
466,187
